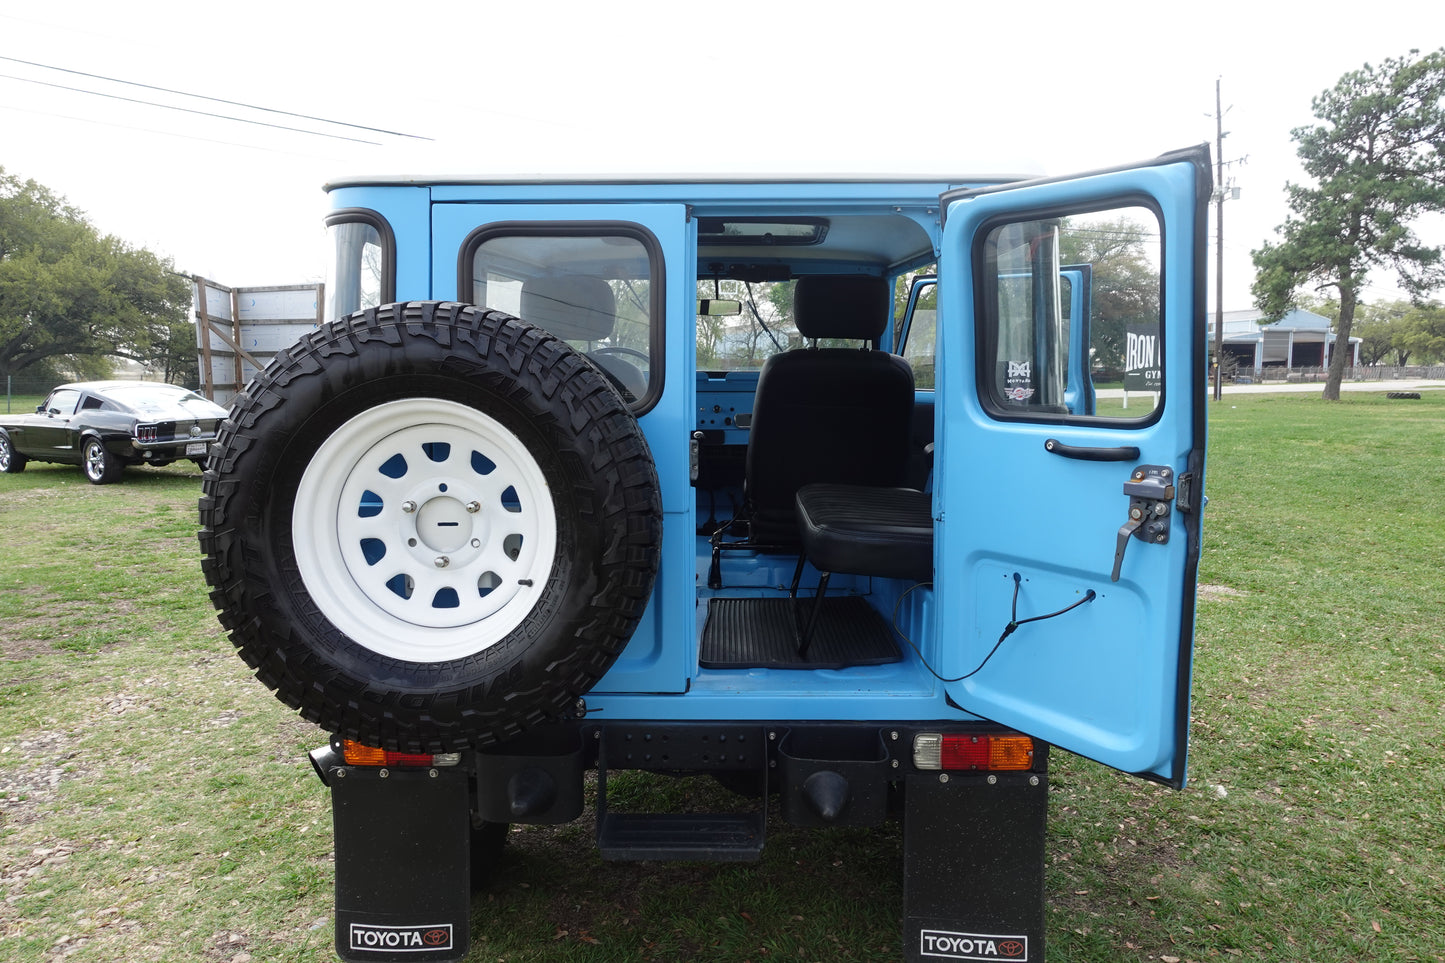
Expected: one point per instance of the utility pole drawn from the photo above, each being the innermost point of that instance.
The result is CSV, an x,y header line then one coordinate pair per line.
x,y
1223,191
1218,243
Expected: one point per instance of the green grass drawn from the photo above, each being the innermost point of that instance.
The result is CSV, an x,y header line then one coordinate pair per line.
x,y
21,404
157,804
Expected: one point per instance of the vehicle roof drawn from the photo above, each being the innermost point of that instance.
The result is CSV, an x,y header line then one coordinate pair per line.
x,y
100,387
512,180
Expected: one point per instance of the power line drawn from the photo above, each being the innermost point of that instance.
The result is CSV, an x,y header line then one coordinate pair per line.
x,y
161,133
218,100
188,110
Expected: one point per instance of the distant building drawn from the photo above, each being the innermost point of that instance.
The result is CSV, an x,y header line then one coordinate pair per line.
x,y
1301,339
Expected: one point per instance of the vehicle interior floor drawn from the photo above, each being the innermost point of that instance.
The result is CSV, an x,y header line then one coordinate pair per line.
x,y
749,626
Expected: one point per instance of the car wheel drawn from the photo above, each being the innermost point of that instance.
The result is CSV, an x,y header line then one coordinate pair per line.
x,y
101,467
428,526
11,461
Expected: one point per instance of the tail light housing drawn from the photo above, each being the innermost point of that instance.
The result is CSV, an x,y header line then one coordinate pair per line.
x,y
357,754
965,751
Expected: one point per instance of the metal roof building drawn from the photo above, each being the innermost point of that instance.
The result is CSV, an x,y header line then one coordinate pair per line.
x,y
1301,339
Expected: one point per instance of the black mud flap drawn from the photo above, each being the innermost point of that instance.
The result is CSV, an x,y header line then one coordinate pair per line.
x,y
973,867
402,863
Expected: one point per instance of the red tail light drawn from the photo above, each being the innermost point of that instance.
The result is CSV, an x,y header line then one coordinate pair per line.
x,y
964,752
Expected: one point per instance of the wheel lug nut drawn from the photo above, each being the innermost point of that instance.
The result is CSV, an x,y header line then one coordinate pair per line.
x,y
408,506
474,507
443,561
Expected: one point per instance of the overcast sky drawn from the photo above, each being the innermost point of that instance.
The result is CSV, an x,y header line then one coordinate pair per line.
x,y
648,87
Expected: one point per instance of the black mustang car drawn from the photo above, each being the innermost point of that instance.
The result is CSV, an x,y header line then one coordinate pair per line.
x,y
103,426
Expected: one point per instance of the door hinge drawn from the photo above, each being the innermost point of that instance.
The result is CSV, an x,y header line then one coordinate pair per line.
x,y
1184,492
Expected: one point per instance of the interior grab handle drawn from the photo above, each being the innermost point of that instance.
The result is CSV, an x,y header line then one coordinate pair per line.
x,y
1120,453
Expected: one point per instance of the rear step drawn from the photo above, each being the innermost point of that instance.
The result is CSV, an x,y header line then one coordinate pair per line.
x,y
713,837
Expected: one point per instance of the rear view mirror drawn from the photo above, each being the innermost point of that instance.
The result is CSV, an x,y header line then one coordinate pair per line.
x,y
718,308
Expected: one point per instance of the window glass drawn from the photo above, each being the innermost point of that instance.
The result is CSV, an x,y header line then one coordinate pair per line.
x,y
761,326
922,343
592,291
62,401
356,271
1082,339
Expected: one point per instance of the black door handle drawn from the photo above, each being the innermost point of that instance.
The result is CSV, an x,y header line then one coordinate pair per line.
x,y
1121,453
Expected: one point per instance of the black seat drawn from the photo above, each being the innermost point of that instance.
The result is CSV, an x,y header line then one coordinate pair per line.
x,y
833,414
577,307
867,531
886,532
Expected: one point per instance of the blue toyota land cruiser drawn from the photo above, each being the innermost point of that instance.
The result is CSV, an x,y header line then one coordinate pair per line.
x,y
862,493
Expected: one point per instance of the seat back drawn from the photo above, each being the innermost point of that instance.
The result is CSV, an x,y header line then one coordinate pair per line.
x,y
574,307
827,414
577,307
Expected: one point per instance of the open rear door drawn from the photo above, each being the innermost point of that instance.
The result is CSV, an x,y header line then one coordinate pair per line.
x,y
1045,503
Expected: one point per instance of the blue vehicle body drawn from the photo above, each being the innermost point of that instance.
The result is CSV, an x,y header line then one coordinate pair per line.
x,y
1065,530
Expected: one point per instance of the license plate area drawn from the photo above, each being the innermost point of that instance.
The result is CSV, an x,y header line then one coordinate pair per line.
x,y
195,448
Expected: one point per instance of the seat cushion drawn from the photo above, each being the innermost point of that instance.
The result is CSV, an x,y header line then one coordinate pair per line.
x,y
867,531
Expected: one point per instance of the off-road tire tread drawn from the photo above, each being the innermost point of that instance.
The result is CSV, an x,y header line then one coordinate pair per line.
x,y
498,693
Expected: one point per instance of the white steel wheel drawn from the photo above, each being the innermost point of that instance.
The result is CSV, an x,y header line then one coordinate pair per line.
x,y
428,526
424,530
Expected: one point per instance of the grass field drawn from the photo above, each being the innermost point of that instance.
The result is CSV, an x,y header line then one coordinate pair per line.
x,y
157,804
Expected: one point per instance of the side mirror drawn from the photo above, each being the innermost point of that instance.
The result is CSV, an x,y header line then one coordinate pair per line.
x,y
718,308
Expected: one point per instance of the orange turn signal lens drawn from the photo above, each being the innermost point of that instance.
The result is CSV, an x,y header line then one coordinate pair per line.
x,y
357,754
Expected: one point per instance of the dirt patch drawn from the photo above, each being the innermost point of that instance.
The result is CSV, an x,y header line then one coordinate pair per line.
x,y
1210,593
32,784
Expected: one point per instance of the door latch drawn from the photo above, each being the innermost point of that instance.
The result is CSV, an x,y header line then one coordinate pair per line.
x,y
1150,489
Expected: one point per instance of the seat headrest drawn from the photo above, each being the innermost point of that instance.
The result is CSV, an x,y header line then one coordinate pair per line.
x,y
841,306
573,307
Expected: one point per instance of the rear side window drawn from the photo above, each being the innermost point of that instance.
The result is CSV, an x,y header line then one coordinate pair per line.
x,y
598,291
1070,317
360,273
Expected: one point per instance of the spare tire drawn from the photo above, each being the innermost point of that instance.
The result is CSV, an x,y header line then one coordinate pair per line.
x,y
429,526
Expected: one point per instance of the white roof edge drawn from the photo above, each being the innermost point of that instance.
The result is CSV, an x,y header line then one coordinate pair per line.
x,y
404,180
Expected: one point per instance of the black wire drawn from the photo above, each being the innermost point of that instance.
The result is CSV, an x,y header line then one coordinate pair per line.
x,y
218,100
758,314
189,110
1014,623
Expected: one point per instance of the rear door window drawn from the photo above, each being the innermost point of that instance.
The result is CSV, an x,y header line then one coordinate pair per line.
x,y
1028,329
594,291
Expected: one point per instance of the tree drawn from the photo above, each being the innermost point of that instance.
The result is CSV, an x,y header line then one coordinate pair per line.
x,y
1378,162
72,297
1378,327
1125,283
1422,333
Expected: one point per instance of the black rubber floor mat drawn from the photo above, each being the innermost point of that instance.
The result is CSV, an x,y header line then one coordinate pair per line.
x,y
758,634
